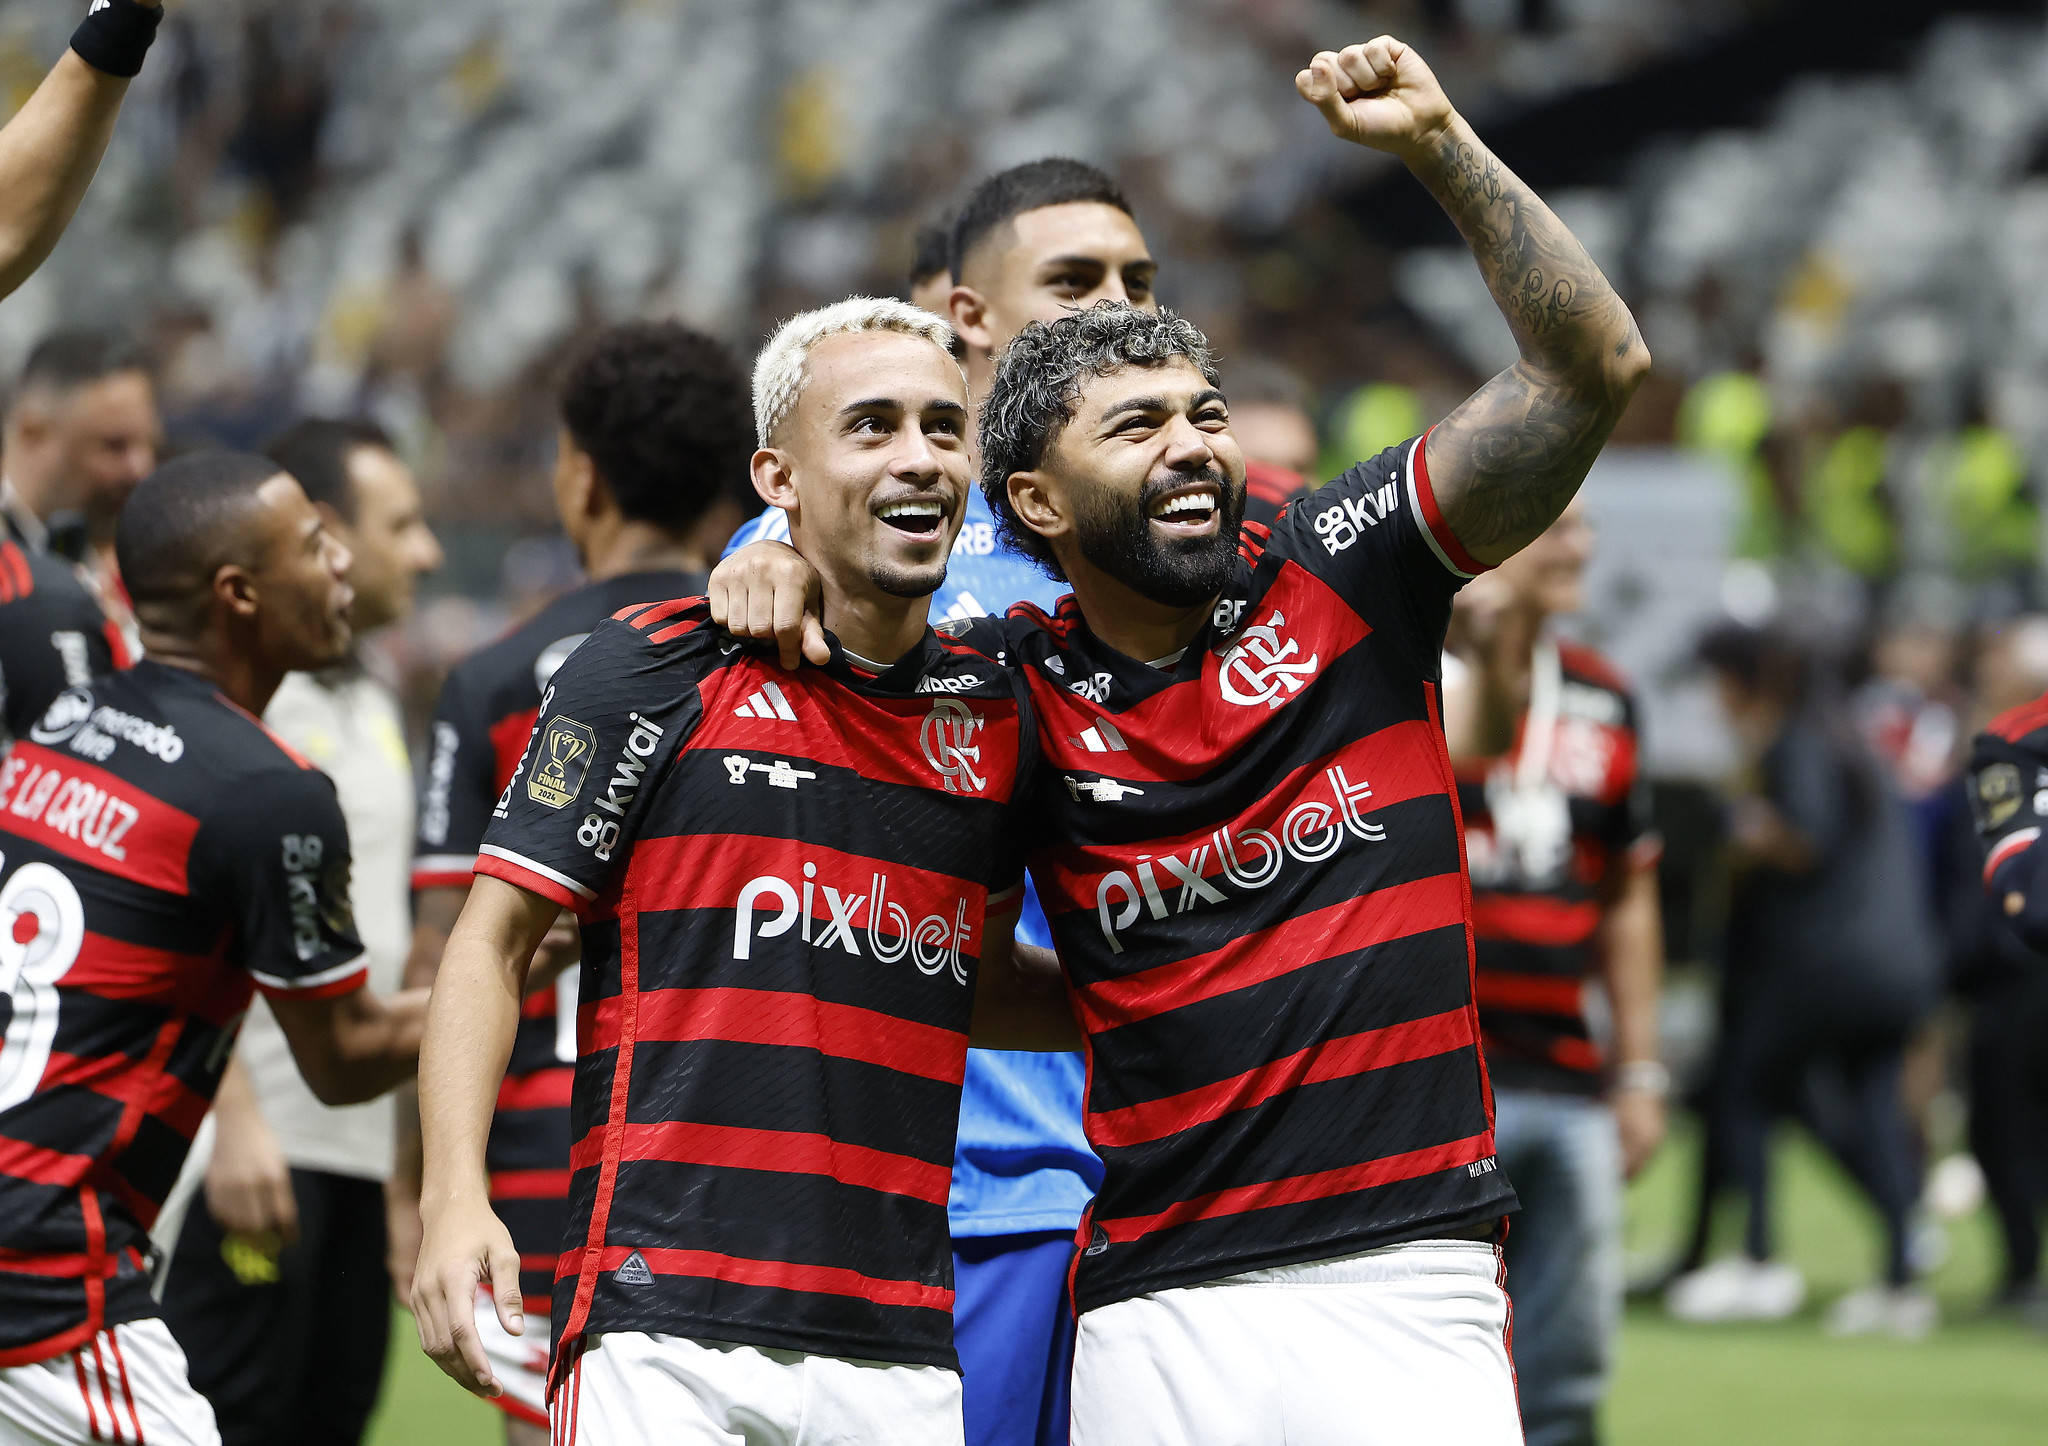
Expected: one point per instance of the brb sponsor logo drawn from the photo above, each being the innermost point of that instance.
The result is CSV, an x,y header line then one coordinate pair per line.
x,y
947,739
769,906
1247,859
1260,668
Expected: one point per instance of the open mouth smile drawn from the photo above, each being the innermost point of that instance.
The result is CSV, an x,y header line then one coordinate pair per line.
x,y
923,519
1192,511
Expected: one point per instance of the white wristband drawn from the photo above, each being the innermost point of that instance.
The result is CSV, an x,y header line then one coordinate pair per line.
x,y
1642,1076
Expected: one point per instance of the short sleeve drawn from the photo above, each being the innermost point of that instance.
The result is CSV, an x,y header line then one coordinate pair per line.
x,y
1376,536
1634,831
2006,792
458,790
610,724
277,864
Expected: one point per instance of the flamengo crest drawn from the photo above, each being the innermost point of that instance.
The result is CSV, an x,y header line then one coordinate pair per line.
x,y
947,738
1256,668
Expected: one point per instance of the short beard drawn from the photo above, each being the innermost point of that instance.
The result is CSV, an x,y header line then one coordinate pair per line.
x,y
907,582
1181,573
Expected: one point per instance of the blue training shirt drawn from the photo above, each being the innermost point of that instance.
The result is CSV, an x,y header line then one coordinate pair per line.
x,y
1022,1161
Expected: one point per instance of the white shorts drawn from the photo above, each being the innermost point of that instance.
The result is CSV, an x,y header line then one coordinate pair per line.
x,y
634,1389
519,1362
1395,1347
127,1384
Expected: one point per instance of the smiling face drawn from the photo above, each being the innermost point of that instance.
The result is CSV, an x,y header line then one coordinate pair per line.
x,y
871,464
1145,483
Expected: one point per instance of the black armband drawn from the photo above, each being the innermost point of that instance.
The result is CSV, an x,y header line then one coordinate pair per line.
x,y
116,34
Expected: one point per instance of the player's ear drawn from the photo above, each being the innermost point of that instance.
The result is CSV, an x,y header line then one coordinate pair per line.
x,y
774,478
1038,504
968,311
234,587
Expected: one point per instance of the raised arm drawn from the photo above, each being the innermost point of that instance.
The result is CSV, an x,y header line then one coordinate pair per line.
x,y
52,146
1505,463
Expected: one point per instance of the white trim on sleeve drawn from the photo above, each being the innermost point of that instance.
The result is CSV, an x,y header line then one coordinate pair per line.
x,y
1422,519
310,981
521,861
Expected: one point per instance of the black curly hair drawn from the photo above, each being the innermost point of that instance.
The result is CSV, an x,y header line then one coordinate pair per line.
x,y
665,414
1040,377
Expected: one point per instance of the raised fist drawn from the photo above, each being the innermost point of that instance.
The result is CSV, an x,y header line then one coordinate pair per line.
x,y
1379,94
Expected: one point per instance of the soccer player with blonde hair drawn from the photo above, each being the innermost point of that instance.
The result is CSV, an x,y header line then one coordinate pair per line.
x,y
787,885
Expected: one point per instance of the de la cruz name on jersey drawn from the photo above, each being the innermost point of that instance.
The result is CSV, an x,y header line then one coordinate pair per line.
x,y
161,854
1252,867
782,880
481,723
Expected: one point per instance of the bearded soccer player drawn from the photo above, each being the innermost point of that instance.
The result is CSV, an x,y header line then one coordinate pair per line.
x,y
1031,243
1250,851
788,885
653,446
164,855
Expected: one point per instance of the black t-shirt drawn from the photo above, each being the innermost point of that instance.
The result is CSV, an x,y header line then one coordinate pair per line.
x,y
783,880
164,854
53,635
1251,867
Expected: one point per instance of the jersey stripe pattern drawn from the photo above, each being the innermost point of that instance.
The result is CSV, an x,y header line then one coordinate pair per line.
x,y
161,855
53,635
782,880
481,725
1539,871
1251,862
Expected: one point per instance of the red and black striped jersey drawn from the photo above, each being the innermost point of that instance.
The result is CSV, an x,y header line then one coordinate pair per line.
x,y
782,879
1252,869
480,728
1267,489
163,853
53,635
1543,850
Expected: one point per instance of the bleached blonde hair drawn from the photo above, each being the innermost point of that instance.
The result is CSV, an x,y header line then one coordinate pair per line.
x,y
783,366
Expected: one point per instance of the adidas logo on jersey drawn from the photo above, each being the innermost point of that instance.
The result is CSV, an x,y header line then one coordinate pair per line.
x,y
1102,738
633,1271
767,702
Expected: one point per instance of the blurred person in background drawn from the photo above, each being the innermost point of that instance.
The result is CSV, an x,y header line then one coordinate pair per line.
x,y
1544,737
1831,965
657,425
81,431
278,1289
1038,241
1272,417
2000,954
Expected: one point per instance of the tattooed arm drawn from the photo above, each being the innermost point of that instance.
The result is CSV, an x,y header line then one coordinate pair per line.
x,y
1508,460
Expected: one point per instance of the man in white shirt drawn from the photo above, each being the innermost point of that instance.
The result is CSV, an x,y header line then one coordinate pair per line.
x,y
278,1291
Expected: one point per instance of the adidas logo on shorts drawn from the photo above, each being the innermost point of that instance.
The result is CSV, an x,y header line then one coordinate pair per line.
x,y
634,1271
